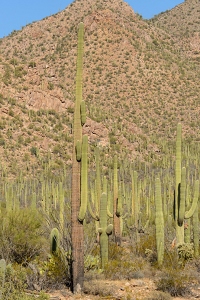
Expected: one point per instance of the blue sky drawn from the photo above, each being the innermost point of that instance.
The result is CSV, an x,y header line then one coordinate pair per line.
x,y
17,13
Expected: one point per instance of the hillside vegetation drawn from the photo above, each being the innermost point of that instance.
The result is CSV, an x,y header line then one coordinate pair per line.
x,y
183,23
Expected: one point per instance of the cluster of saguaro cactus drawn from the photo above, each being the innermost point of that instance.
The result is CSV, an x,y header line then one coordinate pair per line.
x,y
180,212
125,193
117,200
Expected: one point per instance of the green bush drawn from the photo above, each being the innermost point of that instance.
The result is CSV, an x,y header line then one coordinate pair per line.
x,y
53,272
21,235
185,252
34,151
91,262
15,284
32,64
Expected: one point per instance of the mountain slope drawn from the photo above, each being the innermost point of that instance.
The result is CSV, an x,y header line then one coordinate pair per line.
x,y
183,23
137,85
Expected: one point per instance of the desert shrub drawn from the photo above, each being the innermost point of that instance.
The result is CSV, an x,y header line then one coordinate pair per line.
x,y
124,269
14,285
174,281
115,252
96,287
185,252
21,235
178,256
123,264
34,151
92,262
147,241
157,295
52,272
194,265
175,276
32,64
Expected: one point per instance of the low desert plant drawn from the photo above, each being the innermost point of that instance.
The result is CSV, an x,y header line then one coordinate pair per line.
x,y
15,285
123,264
52,272
96,287
174,281
185,252
157,295
22,235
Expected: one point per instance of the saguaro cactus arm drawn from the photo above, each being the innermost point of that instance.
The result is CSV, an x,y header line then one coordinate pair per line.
x,y
181,204
189,213
83,113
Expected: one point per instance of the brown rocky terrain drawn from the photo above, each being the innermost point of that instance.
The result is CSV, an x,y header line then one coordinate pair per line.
x,y
183,23
140,289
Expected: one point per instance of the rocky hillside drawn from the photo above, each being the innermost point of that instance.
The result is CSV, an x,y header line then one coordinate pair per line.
x,y
183,23
138,84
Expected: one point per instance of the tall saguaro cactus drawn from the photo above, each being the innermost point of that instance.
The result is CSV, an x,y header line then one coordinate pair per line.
x,y
159,221
104,230
77,209
180,193
179,227
116,215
